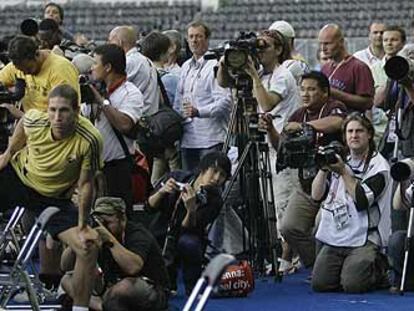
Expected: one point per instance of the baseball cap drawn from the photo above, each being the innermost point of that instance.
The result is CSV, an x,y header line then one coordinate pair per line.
x,y
109,206
284,28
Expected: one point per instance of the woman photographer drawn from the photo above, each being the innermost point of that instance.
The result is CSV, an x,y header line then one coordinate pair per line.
x,y
355,215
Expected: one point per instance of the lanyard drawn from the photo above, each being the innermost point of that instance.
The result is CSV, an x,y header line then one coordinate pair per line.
x,y
305,119
196,76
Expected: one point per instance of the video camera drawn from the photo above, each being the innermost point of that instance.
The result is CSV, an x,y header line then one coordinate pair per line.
x,y
299,150
6,120
236,52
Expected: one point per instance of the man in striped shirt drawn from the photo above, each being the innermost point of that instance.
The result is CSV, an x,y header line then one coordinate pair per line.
x,y
50,154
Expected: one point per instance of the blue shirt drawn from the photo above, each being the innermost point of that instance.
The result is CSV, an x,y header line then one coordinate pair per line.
x,y
198,85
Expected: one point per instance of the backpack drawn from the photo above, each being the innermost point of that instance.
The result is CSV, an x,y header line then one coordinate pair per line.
x,y
161,130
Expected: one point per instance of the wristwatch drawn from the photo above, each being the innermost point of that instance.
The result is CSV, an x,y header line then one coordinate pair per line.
x,y
106,102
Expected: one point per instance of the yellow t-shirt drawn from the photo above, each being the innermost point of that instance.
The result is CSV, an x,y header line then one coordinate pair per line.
x,y
52,167
55,70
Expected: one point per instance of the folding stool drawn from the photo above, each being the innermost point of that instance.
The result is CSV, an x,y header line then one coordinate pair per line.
x,y
19,278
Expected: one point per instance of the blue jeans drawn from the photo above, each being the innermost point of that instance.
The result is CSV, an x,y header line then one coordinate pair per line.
x,y
191,156
396,254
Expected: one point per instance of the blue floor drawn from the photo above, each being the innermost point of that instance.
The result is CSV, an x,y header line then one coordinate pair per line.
x,y
294,294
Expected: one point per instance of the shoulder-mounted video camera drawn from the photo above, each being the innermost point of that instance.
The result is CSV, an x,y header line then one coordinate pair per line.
x,y
299,150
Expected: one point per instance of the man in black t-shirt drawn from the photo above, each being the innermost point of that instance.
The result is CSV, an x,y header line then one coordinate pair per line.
x,y
325,116
134,273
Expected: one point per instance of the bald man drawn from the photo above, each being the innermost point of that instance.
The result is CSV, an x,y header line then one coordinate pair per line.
x,y
350,79
140,71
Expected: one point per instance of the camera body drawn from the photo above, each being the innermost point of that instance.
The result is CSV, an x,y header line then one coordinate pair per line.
x,y
237,52
87,95
299,150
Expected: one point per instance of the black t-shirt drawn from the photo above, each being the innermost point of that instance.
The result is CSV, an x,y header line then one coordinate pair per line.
x,y
141,242
207,210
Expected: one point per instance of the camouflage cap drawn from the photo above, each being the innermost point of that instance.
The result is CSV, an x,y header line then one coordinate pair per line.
x,y
109,206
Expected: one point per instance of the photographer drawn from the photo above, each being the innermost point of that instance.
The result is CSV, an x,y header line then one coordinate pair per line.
x,y
42,71
403,198
118,110
274,86
187,209
133,270
391,95
355,214
325,117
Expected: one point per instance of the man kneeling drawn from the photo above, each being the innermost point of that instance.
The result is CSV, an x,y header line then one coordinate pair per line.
x,y
134,274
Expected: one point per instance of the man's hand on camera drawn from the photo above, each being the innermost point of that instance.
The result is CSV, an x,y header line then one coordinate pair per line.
x,y
293,127
105,235
266,122
250,69
189,197
338,167
98,97
14,111
170,186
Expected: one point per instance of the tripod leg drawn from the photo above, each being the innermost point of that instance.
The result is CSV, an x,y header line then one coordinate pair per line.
x,y
407,250
269,208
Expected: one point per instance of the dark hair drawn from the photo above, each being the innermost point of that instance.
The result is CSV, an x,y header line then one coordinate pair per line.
x,y
175,38
22,48
154,45
60,9
399,29
66,91
278,40
216,159
195,24
114,55
320,78
124,296
367,124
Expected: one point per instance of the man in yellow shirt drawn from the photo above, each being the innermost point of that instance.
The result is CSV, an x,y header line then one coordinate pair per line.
x,y
48,156
42,71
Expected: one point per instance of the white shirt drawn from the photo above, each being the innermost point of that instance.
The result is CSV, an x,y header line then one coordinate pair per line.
x,y
367,57
356,224
282,82
128,99
141,72
198,85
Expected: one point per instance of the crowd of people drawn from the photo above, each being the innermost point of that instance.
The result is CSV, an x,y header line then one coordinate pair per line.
x,y
336,215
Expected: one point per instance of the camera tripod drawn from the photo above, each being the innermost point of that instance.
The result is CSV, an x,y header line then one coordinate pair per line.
x,y
255,178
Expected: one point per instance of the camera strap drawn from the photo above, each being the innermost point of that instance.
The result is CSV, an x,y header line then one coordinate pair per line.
x,y
342,62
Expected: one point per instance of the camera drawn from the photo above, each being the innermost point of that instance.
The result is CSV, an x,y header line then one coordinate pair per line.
x,y
87,95
236,52
403,170
299,150
326,155
399,68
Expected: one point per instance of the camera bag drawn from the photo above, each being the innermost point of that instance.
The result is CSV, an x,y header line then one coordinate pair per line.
x,y
161,130
236,281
